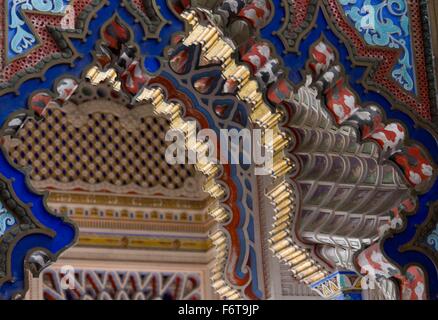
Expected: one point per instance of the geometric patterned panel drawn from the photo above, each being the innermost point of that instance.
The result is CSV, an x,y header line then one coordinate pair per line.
x,y
84,147
120,285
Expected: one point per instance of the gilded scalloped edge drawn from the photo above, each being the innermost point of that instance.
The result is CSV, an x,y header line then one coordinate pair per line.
x,y
216,49
173,112
211,186
67,55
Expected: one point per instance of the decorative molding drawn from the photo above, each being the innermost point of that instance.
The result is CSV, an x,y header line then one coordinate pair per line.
x,y
16,221
88,284
61,42
25,225
340,285
426,236
148,15
60,197
172,243
156,227
187,88
215,49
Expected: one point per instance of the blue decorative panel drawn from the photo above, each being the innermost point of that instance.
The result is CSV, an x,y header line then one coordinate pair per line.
x,y
21,38
6,220
432,239
386,24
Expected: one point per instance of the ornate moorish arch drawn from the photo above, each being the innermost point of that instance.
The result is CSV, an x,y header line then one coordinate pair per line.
x,y
349,170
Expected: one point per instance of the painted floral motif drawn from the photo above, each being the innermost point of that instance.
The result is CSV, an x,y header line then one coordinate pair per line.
x,y
230,86
280,91
257,12
205,84
390,136
407,206
258,58
341,102
65,89
413,284
323,57
367,120
385,23
414,164
133,78
21,37
374,264
340,285
432,239
39,102
117,51
179,60
6,220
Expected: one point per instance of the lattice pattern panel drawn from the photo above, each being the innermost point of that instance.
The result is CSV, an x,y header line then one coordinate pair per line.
x,y
100,151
